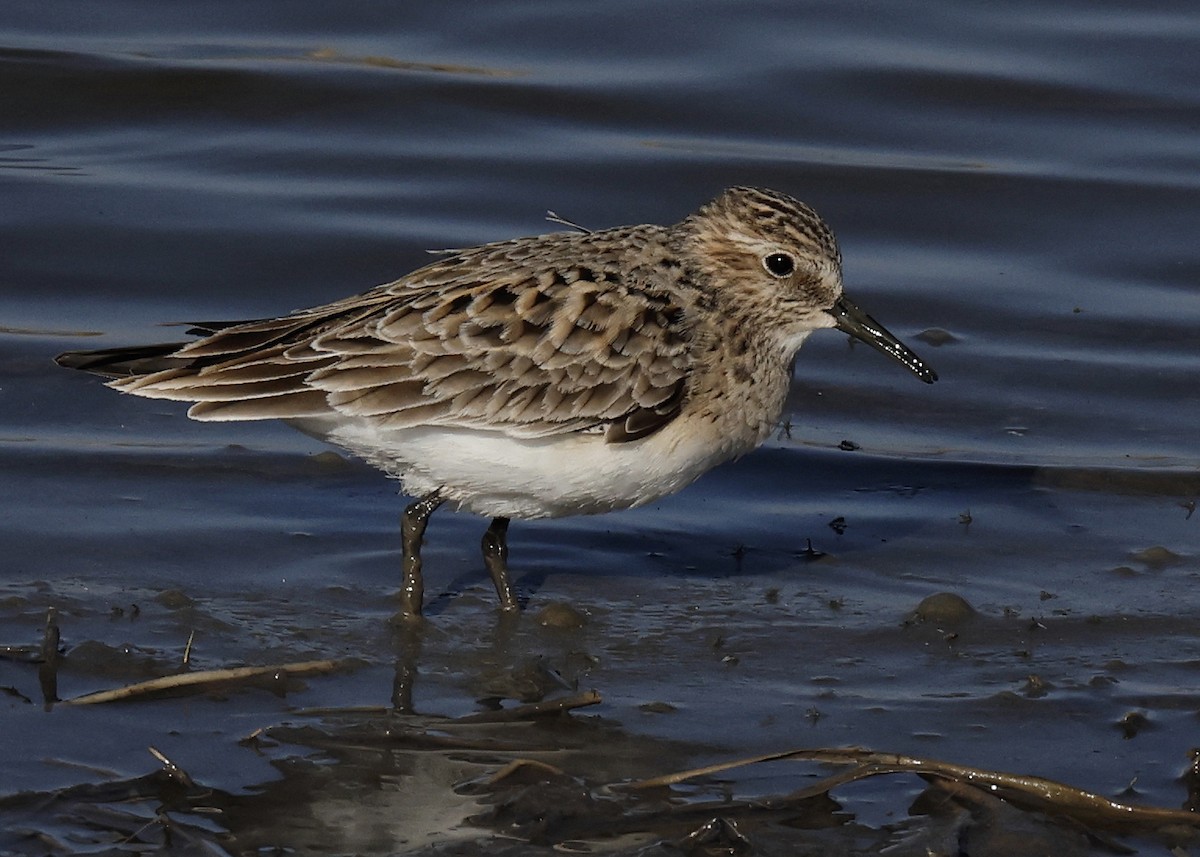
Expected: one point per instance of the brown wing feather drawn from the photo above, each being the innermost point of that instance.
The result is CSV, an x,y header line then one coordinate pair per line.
x,y
511,336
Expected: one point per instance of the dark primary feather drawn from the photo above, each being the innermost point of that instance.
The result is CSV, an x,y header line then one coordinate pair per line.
x,y
122,362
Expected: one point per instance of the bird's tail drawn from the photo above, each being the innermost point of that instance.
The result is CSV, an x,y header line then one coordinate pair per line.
x,y
131,361
124,362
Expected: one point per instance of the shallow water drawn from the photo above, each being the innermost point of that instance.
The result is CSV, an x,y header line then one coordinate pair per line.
x,y
1015,192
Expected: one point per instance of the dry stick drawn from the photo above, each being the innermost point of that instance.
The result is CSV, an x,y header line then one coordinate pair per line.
x,y
199,680
520,765
680,776
1044,794
187,650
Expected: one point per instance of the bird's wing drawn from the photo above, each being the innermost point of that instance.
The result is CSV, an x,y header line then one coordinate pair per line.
x,y
521,337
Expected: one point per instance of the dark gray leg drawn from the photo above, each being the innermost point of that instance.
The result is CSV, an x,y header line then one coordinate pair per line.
x,y
407,643
412,533
495,557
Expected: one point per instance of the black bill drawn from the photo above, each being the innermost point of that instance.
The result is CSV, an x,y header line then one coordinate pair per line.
x,y
858,324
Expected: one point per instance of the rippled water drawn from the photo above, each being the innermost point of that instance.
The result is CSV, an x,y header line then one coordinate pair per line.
x,y
1015,192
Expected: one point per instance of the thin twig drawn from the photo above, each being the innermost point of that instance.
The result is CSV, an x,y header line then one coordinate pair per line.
x,y
1043,794
197,681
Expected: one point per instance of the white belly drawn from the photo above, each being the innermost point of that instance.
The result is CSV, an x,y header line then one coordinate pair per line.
x,y
493,474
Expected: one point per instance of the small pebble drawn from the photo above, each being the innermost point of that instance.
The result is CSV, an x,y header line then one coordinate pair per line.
x,y
657,708
936,336
556,614
1156,557
944,608
173,599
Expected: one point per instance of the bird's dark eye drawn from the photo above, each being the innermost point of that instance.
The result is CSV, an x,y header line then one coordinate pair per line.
x,y
779,264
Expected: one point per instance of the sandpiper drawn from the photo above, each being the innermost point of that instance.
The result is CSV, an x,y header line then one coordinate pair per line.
x,y
563,374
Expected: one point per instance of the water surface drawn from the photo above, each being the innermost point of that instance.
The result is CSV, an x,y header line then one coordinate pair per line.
x,y
1015,192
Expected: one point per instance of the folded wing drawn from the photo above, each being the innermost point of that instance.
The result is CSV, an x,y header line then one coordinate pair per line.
x,y
505,337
